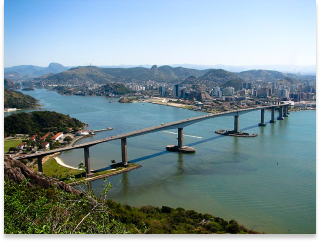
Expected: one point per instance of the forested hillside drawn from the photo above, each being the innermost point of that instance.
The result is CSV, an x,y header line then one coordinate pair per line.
x,y
14,99
39,121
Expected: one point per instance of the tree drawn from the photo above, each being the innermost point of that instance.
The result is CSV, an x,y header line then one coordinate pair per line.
x,y
13,149
67,139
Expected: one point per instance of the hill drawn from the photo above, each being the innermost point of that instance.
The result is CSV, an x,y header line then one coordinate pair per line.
x,y
82,75
39,122
91,74
14,99
263,75
9,84
34,204
217,77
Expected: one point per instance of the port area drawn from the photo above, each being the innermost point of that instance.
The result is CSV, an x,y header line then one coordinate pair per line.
x,y
235,133
184,149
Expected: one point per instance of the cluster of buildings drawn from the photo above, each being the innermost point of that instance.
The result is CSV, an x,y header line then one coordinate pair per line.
x,y
282,90
45,144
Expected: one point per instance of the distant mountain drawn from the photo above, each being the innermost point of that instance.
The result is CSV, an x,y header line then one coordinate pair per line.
x,y
30,71
268,76
294,69
77,76
88,75
92,74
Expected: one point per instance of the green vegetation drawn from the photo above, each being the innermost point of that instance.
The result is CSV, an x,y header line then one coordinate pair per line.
x,y
34,210
50,211
53,169
14,99
116,88
42,204
39,122
11,143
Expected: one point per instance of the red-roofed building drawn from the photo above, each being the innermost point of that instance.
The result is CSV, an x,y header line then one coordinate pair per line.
x,y
45,136
46,145
21,146
57,136
33,138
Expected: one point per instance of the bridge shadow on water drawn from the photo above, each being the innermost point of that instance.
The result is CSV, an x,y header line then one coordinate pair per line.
x,y
190,144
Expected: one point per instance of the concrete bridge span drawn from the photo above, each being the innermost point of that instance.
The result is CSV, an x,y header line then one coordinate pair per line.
x,y
283,112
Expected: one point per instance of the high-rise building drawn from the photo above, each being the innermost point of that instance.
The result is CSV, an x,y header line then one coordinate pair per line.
x,y
215,91
162,91
228,91
176,91
283,93
246,85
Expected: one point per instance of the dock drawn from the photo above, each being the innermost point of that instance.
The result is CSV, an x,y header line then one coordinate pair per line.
x,y
101,130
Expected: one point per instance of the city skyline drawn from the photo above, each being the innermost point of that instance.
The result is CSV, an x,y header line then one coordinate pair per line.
x,y
159,32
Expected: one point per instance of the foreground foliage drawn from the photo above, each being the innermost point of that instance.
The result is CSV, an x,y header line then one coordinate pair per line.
x,y
32,210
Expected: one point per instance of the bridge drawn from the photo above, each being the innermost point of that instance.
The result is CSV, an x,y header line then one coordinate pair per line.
x,y
283,112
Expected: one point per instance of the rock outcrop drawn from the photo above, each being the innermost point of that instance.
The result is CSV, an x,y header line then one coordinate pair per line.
x,y
16,171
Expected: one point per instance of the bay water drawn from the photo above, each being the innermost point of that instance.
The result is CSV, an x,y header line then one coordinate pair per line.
x,y
266,183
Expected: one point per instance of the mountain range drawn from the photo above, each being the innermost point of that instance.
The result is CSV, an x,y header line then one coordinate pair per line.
x,y
56,74
30,71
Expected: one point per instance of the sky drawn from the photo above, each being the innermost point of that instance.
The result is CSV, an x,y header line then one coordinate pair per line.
x,y
162,32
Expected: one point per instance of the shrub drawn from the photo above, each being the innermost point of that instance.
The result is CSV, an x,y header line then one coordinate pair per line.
x,y
166,209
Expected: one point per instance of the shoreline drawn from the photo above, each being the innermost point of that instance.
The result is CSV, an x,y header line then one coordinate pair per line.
x,y
61,162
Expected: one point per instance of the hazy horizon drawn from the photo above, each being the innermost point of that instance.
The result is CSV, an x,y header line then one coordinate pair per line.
x,y
203,32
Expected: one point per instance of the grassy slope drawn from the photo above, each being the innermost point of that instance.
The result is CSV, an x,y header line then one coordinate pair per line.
x,y
11,143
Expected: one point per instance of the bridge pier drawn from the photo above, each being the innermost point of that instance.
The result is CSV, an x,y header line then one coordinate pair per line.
x,y
180,147
87,161
285,111
280,113
180,137
262,123
236,124
40,169
272,115
124,151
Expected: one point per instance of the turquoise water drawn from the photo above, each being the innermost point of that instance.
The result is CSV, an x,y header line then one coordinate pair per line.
x,y
266,183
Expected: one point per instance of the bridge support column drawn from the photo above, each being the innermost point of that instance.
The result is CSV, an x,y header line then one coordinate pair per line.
x,y
124,151
272,115
40,169
180,137
285,111
280,113
262,123
180,147
236,124
87,161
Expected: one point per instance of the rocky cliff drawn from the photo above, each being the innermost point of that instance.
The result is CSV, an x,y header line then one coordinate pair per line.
x,y
16,171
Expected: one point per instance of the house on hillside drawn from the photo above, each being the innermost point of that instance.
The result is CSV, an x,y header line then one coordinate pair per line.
x,y
46,145
33,138
57,136
21,146
45,136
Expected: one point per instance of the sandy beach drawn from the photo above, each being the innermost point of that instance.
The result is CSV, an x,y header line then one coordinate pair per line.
x,y
61,162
